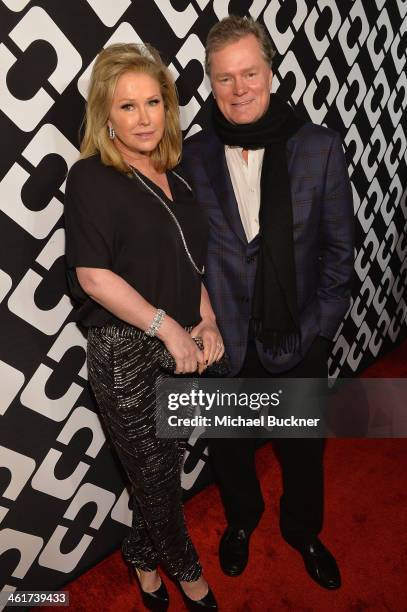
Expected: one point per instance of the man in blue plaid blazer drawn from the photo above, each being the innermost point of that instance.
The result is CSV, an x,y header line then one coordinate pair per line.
x,y
305,284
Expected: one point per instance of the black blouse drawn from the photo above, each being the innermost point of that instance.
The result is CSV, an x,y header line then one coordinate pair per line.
x,y
112,221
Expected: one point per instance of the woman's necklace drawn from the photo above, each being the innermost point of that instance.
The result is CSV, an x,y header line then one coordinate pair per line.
x,y
168,209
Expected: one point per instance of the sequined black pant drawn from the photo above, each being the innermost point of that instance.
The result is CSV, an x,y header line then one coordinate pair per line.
x,y
122,365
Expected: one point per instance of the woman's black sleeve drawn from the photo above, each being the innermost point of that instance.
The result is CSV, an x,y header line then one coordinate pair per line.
x,y
88,221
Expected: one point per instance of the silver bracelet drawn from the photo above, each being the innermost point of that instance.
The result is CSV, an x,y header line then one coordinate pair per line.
x,y
155,323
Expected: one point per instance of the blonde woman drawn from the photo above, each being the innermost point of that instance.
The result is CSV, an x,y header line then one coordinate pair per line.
x,y
136,243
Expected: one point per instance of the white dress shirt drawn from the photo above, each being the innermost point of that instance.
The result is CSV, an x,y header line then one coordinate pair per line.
x,y
245,179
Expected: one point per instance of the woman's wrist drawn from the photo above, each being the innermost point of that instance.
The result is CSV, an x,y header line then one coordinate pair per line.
x,y
208,318
153,328
167,327
206,309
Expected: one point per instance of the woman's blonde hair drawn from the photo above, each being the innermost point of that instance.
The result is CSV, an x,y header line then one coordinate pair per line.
x,y
110,64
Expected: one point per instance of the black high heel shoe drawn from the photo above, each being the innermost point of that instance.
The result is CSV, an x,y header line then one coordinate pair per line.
x,y
200,605
156,601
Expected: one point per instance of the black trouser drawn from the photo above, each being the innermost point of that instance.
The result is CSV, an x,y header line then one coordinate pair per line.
x,y
123,371
233,462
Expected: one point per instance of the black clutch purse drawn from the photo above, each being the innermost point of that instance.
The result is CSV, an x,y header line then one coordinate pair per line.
x,y
219,368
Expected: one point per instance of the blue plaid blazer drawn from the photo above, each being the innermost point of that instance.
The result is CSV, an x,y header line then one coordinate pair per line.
x,y
323,226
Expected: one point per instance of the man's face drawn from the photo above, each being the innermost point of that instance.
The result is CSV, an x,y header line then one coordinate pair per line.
x,y
241,80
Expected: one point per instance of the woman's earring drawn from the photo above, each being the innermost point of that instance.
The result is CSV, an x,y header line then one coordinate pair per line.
x,y
112,133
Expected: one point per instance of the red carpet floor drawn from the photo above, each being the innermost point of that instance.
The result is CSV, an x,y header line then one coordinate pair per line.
x,y
365,527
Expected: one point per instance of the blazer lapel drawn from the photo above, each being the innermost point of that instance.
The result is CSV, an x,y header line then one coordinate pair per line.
x,y
218,173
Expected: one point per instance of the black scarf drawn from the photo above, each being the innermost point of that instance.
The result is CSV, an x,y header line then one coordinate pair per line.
x,y
275,317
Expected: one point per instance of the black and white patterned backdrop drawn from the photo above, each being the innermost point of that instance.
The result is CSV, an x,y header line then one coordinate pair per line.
x,y
63,501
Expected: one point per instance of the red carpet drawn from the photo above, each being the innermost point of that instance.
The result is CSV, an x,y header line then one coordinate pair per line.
x,y
365,527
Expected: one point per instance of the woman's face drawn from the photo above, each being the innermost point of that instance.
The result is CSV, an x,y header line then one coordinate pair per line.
x,y
137,115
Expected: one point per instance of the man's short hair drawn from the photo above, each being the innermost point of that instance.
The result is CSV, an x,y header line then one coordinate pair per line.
x,y
231,29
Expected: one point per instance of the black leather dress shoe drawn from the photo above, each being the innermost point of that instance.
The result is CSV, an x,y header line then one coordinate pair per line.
x,y
234,551
321,565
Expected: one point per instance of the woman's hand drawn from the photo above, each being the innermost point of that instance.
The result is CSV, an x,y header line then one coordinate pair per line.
x,y
188,357
212,340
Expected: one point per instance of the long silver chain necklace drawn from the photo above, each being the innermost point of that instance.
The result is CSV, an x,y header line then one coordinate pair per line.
x,y
168,209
